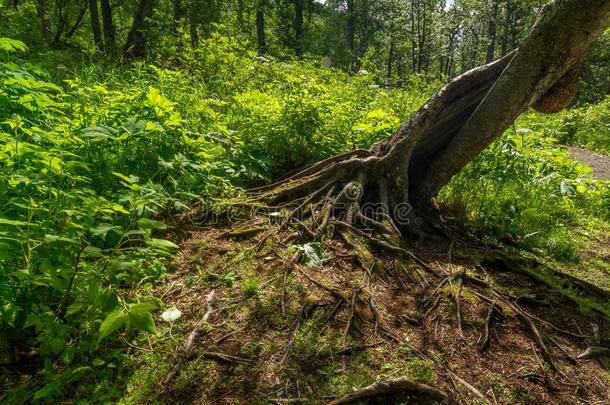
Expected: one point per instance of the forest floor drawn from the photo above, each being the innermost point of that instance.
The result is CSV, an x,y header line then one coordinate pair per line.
x,y
276,334
599,164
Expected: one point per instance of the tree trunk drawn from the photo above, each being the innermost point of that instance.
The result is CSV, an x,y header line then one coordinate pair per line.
x,y
45,22
135,47
194,34
260,29
349,27
95,24
177,15
491,32
399,175
298,27
108,24
77,22
507,23
390,58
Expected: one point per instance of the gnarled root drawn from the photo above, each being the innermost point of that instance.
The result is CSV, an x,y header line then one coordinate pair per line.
x,y
391,386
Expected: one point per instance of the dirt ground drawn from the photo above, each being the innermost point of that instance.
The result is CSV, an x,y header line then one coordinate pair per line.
x,y
599,164
289,334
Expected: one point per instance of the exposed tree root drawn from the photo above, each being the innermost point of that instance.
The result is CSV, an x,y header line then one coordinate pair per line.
x,y
394,385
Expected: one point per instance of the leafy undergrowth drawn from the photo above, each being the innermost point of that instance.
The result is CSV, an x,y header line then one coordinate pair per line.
x,y
261,367
587,126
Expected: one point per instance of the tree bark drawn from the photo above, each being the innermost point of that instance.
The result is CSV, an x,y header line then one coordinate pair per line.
x,y
108,24
95,24
260,28
135,47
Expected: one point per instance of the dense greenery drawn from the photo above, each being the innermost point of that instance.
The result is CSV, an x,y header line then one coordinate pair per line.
x,y
96,156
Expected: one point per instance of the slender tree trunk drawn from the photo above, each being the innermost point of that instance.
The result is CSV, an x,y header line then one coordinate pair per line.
x,y
390,58
194,33
260,28
177,15
491,32
45,22
95,24
77,22
349,28
298,27
507,22
413,39
136,41
108,24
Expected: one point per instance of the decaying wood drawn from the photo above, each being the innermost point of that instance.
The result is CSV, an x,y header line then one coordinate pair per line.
x,y
391,386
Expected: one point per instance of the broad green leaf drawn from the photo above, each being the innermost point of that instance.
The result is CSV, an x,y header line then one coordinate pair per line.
x,y
140,317
102,229
162,244
97,362
114,321
148,223
48,390
314,255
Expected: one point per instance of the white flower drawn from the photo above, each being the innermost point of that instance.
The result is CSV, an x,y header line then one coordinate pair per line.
x,y
171,314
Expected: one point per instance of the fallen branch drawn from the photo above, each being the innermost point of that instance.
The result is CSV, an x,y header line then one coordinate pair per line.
x,y
390,386
187,350
594,351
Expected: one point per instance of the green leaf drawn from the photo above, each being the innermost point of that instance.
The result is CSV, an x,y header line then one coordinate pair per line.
x,y
567,188
48,390
57,238
102,229
92,251
162,244
98,362
148,223
99,133
114,321
140,317
314,255
4,221
12,45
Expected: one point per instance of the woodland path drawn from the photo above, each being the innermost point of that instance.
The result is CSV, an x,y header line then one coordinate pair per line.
x,y
599,164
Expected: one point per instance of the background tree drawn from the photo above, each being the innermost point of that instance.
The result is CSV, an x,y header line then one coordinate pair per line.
x,y
95,24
